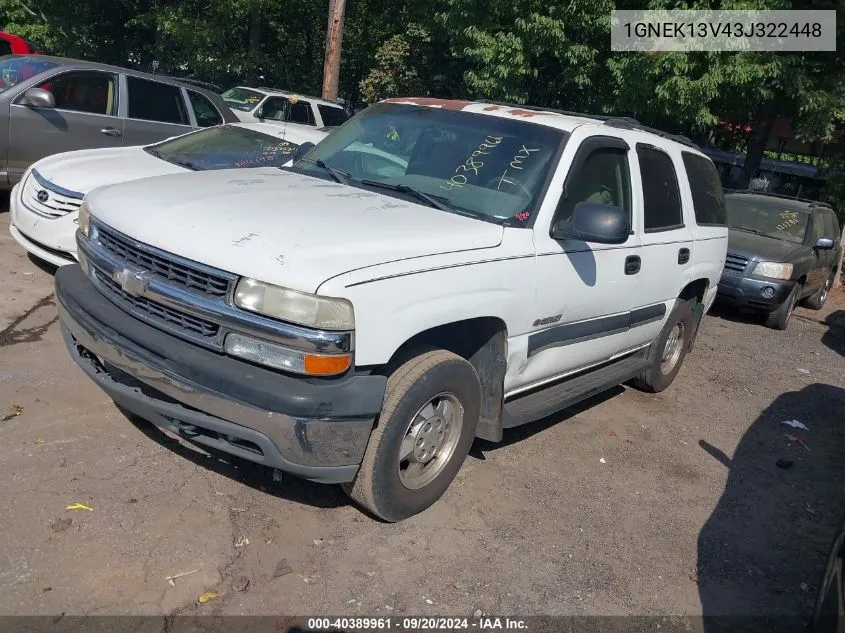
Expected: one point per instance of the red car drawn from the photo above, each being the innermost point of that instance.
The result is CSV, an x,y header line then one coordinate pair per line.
x,y
15,45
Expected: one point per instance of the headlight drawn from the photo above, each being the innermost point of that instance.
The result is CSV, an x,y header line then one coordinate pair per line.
x,y
323,313
83,219
773,270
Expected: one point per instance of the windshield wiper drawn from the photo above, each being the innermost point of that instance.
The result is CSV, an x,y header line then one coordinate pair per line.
x,y
182,163
431,200
340,176
754,231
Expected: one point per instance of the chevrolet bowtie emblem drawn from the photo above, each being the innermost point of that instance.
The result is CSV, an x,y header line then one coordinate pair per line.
x,y
132,282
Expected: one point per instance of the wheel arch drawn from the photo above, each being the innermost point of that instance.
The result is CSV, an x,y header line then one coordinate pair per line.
x,y
483,342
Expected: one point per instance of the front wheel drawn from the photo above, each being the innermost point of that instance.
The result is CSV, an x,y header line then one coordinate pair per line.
x,y
424,432
816,300
779,318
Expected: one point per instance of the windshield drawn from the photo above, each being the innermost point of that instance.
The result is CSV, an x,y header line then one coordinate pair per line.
x,y
489,167
224,147
242,99
773,218
14,70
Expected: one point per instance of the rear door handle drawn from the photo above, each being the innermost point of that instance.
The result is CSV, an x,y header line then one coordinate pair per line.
x,y
683,256
111,131
632,264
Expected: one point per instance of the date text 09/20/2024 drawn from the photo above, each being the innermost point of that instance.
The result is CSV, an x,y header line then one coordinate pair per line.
x,y
484,623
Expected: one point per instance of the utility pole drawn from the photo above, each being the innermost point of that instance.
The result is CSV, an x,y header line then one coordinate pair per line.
x,y
334,39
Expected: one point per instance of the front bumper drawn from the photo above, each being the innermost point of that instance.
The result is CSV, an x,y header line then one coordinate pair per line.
x,y
50,239
315,429
747,292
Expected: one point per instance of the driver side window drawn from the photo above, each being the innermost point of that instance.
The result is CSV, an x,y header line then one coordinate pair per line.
x,y
602,177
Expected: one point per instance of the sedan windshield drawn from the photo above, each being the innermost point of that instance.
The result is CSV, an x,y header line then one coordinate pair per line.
x,y
770,217
242,99
14,70
489,167
224,147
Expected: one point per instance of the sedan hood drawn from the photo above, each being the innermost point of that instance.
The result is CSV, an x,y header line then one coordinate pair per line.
x,y
759,247
85,170
281,227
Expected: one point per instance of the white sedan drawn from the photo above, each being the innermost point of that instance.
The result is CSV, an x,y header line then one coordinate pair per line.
x,y
44,204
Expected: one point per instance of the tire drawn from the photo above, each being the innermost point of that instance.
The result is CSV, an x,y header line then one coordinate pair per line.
x,y
659,375
382,485
779,318
830,602
816,300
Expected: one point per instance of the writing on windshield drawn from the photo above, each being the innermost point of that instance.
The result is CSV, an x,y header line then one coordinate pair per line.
x,y
490,167
225,147
772,218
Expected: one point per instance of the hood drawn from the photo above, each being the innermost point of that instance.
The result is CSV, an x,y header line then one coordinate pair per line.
x,y
760,248
88,169
281,227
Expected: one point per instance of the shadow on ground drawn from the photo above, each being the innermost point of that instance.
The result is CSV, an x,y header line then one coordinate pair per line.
x,y
762,552
244,471
834,337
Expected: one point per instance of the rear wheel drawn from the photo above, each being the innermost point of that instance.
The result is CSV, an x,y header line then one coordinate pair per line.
x,y
779,319
424,433
817,299
669,349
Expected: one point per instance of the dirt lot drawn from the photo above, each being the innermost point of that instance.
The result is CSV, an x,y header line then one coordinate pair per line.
x,y
666,504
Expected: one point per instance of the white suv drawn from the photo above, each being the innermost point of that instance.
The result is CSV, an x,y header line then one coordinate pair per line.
x,y
432,272
270,105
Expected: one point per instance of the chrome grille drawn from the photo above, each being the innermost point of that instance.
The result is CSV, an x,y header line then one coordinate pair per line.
x,y
57,202
177,318
735,263
181,274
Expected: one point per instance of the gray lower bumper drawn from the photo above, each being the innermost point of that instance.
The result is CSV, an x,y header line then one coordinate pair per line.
x,y
315,447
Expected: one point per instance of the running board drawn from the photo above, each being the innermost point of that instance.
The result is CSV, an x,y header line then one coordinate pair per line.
x,y
562,395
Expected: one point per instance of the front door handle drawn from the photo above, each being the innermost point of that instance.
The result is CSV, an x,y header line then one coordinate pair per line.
x,y
111,131
683,256
632,264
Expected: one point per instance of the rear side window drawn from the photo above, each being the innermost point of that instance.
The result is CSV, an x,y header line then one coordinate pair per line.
x,y
332,117
661,195
5,48
205,112
708,199
300,112
154,101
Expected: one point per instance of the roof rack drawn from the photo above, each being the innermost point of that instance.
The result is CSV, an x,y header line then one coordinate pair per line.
x,y
812,203
627,123
623,122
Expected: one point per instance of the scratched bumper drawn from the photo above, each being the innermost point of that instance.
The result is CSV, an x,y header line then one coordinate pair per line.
x,y
315,429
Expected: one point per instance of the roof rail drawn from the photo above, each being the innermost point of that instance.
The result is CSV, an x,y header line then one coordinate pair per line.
x,y
783,196
598,117
624,122
627,123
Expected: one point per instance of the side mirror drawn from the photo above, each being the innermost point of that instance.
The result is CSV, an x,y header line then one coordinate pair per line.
x,y
37,98
301,151
824,244
594,222
259,113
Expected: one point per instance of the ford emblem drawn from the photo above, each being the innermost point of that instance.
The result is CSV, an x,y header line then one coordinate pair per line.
x,y
42,196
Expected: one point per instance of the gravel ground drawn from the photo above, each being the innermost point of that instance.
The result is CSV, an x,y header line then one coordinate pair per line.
x,y
665,504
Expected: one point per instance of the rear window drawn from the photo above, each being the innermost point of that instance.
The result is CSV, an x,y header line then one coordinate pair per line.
x,y
242,99
332,117
708,199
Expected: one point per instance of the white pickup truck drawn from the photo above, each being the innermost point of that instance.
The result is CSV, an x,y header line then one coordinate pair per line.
x,y
432,272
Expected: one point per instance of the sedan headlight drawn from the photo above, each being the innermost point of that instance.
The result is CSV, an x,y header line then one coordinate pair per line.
x,y
83,219
323,313
773,270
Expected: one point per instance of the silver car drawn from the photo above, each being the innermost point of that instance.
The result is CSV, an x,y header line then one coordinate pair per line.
x,y
52,104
